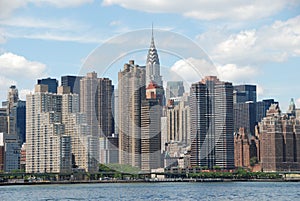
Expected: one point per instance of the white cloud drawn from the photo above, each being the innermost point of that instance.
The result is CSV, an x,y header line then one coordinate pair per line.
x,y
5,83
64,3
236,74
7,7
57,36
24,92
15,66
207,9
192,70
259,89
28,22
49,29
276,43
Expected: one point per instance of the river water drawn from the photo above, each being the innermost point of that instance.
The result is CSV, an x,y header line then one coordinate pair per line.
x,y
155,191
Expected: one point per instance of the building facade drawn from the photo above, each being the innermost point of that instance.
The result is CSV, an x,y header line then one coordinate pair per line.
x,y
151,112
153,65
279,141
52,84
174,89
48,147
9,152
131,90
211,113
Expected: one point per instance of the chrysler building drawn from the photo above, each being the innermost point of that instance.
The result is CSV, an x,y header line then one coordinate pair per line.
x,y
152,65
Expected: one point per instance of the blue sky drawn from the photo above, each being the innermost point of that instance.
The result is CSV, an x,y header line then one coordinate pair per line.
x,y
255,42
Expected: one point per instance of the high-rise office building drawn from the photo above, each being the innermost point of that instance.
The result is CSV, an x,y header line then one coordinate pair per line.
x,y
244,93
52,84
174,89
211,113
48,147
244,105
131,89
262,107
245,116
73,82
153,65
151,113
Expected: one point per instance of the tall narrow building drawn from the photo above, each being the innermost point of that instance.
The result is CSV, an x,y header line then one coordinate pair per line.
x,y
88,100
151,113
16,114
153,65
131,89
104,106
211,113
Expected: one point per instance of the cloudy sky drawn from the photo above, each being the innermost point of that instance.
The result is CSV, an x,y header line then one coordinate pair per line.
x,y
256,42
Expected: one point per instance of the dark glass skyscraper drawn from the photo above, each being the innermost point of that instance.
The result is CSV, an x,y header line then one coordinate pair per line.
x,y
73,82
211,110
52,84
244,93
244,99
262,107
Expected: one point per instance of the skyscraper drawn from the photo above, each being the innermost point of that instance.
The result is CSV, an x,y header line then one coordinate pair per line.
x,y
245,116
211,111
48,147
244,93
96,102
16,113
262,107
52,84
174,89
153,65
73,82
83,143
131,89
88,101
104,106
151,113
244,106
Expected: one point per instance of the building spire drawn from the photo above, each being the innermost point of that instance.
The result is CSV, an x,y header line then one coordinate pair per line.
x,y
152,64
152,32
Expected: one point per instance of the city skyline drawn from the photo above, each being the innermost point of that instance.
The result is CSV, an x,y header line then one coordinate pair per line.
x,y
256,46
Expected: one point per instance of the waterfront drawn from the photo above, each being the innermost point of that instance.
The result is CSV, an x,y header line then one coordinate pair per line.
x,y
155,191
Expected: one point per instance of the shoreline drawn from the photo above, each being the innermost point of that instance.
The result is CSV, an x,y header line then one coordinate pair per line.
x,y
207,180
